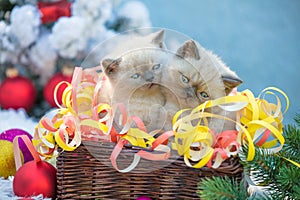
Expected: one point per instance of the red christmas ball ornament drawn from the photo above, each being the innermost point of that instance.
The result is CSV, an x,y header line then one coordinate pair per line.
x,y
35,178
49,88
17,92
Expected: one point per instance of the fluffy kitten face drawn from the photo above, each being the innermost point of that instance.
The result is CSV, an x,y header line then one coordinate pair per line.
x,y
134,80
124,66
207,75
180,80
133,77
204,72
139,70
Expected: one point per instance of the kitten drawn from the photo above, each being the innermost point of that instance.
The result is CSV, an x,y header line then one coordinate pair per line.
x,y
133,78
124,43
195,75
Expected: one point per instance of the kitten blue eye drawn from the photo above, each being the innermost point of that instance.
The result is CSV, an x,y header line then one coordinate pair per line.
x,y
135,76
157,66
184,79
204,95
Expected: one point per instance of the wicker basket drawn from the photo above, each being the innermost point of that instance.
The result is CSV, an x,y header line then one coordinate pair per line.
x,y
87,173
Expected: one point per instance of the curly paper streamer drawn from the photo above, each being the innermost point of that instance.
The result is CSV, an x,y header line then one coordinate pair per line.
x,y
263,120
135,138
138,138
73,116
197,143
30,147
291,161
260,124
225,146
80,115
64,131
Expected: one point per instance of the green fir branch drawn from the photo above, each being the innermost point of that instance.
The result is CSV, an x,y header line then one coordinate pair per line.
x,y
222,188
273,170
288,180
291,148
297,119
266,169
262,168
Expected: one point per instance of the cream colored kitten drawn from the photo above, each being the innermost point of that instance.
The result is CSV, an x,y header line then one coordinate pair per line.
x,y
133,78
194,76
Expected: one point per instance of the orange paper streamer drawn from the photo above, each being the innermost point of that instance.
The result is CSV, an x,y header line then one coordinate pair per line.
x,y
259,123
78,117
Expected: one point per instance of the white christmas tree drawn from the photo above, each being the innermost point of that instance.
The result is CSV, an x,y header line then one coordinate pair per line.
x,y
39,48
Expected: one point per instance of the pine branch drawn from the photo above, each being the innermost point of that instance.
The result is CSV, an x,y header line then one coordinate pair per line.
x,y
297,119
266,169
272,170
222,188
288,176
282,184
262,168
291,148
288,179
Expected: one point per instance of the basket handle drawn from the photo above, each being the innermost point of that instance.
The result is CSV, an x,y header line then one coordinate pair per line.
x,y
30,147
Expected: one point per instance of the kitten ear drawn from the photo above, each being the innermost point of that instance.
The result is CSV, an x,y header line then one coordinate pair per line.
x,y
189,50
159,38
230,83
109,65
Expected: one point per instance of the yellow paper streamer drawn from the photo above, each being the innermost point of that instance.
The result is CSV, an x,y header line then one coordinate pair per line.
x,y
259,124
72,117
257,119
79,114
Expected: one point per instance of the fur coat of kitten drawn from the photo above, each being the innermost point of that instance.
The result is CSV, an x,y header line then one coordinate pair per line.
x,y
195,75
132,77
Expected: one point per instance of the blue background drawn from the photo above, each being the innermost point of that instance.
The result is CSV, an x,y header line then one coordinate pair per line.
x,y
258,39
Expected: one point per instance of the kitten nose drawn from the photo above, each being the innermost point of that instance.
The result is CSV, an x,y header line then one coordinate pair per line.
x,y
190,92
149,76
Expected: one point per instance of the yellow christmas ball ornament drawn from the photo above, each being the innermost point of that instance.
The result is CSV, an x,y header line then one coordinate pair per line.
x,y
7,160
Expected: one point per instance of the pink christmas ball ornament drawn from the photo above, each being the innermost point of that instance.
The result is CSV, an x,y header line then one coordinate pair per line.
x,y
10,134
